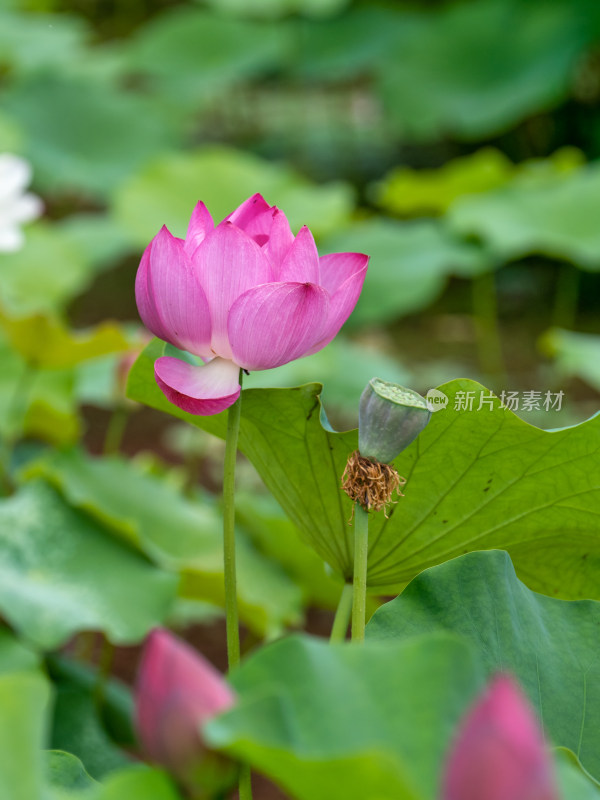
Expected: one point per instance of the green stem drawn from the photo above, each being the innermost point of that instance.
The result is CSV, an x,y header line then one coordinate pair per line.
x,y
231,608
485,312
115,430
245,783
107,654
342,615
566,297
361,553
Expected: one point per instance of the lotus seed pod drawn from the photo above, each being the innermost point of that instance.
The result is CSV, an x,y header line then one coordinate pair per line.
x,y
390,417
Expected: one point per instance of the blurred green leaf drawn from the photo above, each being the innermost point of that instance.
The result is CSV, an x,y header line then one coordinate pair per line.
x,y
78,730
36,403
45,274
574,782
194,54
343,721
575,354
115,711
175,533
83,135
24,700
166,191
407,191
477,479
97,236
33,42
549,645
66,775
278,8
15,656
348,46
138,782
46,343
452,74
554,216
409,267
61,573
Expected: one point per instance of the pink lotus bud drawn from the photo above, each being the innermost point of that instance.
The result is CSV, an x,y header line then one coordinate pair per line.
x,y
177,692
247,294
499,753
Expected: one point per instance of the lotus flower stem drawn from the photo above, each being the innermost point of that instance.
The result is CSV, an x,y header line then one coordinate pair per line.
x,y
485,311
231,607
342,615
361,552
245,783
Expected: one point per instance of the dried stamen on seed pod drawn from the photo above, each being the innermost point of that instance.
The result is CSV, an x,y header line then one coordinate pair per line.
x,y
371,482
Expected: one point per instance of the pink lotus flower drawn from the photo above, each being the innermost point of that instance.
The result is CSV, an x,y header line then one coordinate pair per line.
x,y
177,692
499,753
246,294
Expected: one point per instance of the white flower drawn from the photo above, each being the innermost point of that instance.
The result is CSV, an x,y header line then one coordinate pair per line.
x,y
16,206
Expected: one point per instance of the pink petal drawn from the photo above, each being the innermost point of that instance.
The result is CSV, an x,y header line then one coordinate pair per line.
x,y
203,390
272,324
342,303
201,224
280,240
228,262
250,209
336,268
500,752
177,693
170,299
302,260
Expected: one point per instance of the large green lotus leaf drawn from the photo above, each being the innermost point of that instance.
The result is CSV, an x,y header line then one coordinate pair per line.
x,y
24,707
408,191
61,573
166,191
193,54
451,73
45,342
275,535
30,42
175,532
15,656
548,644
84,134
45,274
554,217
575,354
409,267
344,721
477,479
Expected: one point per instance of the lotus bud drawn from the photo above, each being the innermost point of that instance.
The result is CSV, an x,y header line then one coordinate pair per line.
x,y
390,417
499,753
177,693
